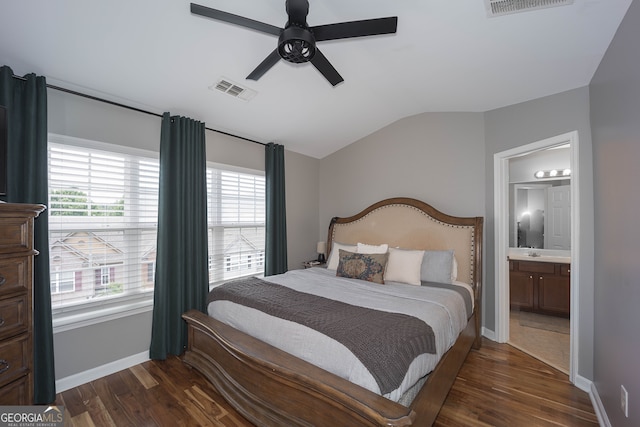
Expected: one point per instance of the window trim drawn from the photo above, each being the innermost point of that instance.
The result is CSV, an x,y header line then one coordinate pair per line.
x,y
105,146
103,310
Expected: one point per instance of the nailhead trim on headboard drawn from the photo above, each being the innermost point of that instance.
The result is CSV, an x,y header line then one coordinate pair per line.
x,y
471,227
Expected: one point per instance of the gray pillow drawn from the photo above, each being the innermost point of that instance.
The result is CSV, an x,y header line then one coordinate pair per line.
x,y
437,266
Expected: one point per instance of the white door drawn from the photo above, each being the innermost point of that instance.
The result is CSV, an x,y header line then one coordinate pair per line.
x,y
558,218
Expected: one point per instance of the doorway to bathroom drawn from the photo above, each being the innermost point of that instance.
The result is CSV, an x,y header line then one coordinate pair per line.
x,y
535,250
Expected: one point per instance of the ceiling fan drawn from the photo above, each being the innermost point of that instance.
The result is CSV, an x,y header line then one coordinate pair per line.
x,y
297,41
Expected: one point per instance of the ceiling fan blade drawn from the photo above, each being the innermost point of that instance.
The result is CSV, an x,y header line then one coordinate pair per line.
x,y
235,19
265,65
324,66
345,30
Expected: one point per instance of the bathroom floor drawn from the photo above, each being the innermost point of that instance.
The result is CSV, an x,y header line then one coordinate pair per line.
x,y
546,338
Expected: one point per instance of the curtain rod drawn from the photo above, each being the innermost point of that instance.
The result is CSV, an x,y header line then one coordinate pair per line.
x,y
128,107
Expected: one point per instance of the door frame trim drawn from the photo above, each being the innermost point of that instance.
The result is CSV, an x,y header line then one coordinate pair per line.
x,y
501,235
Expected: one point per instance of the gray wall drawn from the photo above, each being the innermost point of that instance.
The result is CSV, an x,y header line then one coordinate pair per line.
x,y
615,123
302,189
522,124
434,157
92,346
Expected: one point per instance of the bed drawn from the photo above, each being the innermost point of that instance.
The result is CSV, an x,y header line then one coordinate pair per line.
x,y
273,387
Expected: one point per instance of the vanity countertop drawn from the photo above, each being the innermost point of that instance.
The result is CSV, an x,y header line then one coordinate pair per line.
x,y
540,255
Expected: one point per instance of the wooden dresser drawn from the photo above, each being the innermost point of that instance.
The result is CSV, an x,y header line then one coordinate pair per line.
x,y
16,302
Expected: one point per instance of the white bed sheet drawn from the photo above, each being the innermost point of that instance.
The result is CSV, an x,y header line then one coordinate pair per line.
x,y
442,309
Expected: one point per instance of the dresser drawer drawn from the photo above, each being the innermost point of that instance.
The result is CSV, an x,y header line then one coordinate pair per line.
x,y
15,235
13,275
15,354
13,316
16,393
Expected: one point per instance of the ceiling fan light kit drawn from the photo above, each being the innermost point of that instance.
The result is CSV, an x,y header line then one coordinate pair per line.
x,y
296,45
297,41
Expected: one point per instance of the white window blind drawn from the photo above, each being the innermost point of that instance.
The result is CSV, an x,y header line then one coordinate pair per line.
x,y
102,223
236,204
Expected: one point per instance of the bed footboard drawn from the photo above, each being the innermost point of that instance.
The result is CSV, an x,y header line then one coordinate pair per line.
x,y
272,388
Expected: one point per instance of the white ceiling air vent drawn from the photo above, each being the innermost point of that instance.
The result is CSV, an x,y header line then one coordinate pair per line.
x,y
231,88
505,7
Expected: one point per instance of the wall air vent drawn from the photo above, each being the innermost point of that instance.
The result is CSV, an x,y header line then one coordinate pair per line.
x,y
231,88
506,7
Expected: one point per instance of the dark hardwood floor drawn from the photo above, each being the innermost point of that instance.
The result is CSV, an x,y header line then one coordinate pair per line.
x,y
497,386
500,385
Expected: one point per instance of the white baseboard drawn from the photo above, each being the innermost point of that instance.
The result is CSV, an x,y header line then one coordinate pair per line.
x,y
598,407
80,378
583,384
488,333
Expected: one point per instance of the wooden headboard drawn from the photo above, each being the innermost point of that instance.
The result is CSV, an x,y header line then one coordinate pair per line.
x,y
411,224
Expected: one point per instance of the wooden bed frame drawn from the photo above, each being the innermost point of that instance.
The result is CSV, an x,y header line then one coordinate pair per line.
x,y
273,388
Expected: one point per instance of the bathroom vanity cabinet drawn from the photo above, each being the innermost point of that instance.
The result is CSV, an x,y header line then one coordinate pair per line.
x,y
540,287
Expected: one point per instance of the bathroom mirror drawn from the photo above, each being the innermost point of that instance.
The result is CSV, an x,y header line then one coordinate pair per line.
x,y
540,215
540,206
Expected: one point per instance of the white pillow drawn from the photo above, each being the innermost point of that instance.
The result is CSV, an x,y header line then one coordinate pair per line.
x,y
334,256
454,271
404,266
363,248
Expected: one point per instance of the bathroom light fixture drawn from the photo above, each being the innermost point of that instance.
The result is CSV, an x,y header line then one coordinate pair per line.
x,y
553,173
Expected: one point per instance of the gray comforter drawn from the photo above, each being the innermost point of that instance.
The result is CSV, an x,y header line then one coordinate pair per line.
x,y
441,308
386,343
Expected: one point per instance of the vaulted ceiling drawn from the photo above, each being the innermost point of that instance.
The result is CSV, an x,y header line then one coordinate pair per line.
x,y
447,55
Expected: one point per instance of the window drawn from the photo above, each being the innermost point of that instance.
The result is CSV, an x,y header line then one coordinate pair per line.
x,y
104,277
102,222
62,282
236,204
103,209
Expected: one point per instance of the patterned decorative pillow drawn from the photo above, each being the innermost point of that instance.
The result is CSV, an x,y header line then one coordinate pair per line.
x,y
369,267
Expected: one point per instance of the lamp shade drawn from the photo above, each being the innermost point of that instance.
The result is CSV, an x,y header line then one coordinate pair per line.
x,y
321,247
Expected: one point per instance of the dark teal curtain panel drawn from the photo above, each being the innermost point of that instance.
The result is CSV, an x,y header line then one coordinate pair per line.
x,y
276,218
27,182
182,273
